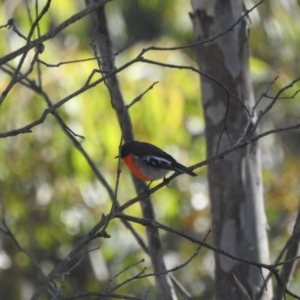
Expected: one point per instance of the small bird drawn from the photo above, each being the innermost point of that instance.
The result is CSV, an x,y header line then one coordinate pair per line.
x,y
148,162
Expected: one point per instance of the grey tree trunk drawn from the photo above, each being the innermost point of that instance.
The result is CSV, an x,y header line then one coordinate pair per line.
x,y
237,207
165,288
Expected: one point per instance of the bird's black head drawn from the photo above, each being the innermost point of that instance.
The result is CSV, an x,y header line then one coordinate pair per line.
x,y
126,148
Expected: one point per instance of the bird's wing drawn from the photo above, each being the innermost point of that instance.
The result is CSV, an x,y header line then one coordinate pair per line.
x,y
167,164
158,162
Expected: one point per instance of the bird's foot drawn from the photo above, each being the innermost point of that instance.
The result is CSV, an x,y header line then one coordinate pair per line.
x,y
146,190
165,181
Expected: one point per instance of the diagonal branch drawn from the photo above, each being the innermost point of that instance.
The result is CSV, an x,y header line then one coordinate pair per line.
x,y
52,33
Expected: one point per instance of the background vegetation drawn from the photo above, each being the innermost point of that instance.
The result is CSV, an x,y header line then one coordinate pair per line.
x,y
50,195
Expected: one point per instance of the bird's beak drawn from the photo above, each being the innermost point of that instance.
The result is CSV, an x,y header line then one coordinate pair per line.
x,y
117,156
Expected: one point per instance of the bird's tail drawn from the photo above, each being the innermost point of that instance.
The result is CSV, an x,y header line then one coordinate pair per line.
x,y
180,168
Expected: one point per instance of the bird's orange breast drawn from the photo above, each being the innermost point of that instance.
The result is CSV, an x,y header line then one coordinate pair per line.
x,y
129,160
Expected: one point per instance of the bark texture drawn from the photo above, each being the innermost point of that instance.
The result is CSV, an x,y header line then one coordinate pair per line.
x,y
287,271
235,185
164,286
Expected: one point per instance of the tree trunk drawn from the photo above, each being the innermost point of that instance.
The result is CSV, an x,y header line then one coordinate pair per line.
x,y
235,185
165,288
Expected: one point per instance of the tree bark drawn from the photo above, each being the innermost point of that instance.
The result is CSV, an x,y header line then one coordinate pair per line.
x,y
287,271
235,185
164,286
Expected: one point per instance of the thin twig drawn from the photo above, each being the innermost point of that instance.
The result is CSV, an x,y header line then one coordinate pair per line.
x,y
52,33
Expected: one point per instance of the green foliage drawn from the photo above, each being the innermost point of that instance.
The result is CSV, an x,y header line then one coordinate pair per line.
x,y
51,195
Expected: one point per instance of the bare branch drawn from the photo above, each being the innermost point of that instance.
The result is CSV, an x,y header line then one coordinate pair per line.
x,y
291,253
269,107
52,33
100,296
6,230
65,274
153,223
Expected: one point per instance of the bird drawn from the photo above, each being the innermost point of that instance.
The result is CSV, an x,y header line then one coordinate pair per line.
x,y
148,162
